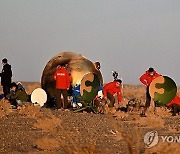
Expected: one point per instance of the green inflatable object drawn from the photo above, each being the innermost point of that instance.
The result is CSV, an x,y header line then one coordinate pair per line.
x,y
89,87
162,90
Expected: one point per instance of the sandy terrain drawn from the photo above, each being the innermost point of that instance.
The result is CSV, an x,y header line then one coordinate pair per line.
x,y
41,130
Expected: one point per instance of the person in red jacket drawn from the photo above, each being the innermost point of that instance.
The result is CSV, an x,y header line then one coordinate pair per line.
x,y
110,90
62,78
175,105
146,79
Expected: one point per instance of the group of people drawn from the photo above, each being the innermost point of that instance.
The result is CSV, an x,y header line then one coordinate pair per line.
x,y
63,80
146,79
112,90
12,91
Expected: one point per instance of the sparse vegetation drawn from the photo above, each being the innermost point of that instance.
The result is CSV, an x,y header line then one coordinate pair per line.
x,y
42,130
5,108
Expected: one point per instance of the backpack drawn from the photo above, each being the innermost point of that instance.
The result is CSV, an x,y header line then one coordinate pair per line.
x,y
20,86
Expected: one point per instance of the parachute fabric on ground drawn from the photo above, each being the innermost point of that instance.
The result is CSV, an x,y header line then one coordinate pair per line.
x,y
39,97
162,90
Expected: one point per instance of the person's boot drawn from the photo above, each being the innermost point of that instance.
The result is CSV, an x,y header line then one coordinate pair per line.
x,y
74,106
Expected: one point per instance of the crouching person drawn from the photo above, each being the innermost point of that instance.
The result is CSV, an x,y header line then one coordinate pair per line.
x,y
17,96
112,89
175,105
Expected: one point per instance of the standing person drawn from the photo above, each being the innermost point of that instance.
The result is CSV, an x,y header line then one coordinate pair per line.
x,y
62,78
6,75
146,79
110,90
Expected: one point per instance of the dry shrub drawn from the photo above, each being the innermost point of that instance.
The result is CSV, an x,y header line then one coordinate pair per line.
x,y
164,147
112,110
124,102
129,94
116,135
134,91
47,143
51,144
131,137
48,124
56,143
30,111
163,112
152,121
106,110
5,107
120,114
87,149
133,140
31,86
103,107
66,144
174,129
47,112
47,121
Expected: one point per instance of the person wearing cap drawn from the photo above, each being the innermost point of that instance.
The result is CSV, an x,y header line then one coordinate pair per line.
x,y
112,89
6,75
146,79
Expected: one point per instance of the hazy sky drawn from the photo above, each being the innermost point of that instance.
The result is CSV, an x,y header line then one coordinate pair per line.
x,y
128,36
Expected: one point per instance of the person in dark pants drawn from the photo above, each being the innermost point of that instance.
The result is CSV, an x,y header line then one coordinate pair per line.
x,y
6,75
110,90
62,78
146,79
18,95
148,98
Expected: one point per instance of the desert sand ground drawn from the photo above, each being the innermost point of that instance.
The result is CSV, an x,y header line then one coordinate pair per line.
x,y
36,130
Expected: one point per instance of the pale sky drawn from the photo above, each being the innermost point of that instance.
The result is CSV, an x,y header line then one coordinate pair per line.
x,y
128,36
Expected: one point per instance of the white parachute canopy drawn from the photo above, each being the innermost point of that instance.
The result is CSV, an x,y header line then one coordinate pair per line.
x,y
39,97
